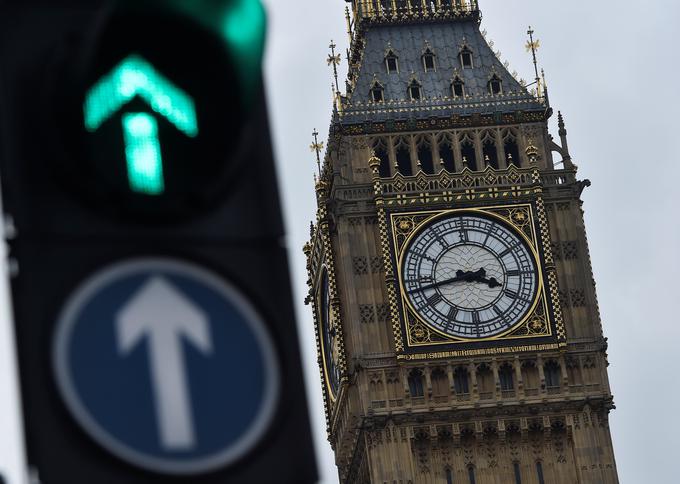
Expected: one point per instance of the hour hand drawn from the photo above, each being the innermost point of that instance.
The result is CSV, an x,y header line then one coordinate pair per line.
x,y
493,282
480,276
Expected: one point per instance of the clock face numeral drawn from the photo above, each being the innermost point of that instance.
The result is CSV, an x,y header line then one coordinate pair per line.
x,y
469,276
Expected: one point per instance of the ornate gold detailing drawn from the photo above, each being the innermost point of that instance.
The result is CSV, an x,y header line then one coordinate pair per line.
x,y
390,12
319,257
533,46
390,280
553,286
520,218
535,325
317,146
528,219
532,152
334,60
374,162
503,350
505,183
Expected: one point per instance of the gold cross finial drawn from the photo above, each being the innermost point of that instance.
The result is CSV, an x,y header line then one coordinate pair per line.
x,y
334,60
533,46
317,146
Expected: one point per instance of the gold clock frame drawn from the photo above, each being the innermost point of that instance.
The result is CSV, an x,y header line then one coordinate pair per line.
x,y
407,307
542,325
319,252
318,303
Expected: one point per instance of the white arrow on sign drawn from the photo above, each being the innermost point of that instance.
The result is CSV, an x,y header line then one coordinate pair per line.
x,y
160,313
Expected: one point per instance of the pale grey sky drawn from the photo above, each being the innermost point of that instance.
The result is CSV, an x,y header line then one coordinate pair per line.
x,y
611,70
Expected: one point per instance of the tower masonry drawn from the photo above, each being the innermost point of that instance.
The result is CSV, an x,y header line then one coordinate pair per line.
x,y
456,317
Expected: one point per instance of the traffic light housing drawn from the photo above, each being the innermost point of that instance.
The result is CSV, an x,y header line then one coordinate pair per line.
x,y
139,130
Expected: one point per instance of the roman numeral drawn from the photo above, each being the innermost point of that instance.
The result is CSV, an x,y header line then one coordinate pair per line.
x,y
453,312
514,273
475,317
442,241
511,294
464,235
434,299
497,310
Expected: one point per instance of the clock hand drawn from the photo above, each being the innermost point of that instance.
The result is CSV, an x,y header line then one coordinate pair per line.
x,y
460,276
493,282
469,276
481,277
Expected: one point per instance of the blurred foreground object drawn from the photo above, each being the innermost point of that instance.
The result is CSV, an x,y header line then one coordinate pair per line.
x,y
155,329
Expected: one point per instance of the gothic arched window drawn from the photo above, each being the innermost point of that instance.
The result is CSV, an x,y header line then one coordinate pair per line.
x,y
460,381
425,156
467,146
539,472
506,374
449,476
377,92
403,154
466,60
552,374
446,156
511,149
495,85
391,62
458,87
471,475
489,150
415,90
429,63
380,150
518,473
415,383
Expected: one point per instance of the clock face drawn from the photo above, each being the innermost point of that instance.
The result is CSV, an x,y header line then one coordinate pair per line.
x,y
469,276
328,335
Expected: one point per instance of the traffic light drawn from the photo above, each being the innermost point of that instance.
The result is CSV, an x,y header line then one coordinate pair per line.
x,y
154,321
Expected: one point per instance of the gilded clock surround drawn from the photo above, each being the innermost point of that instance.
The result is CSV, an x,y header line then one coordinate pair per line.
x,y
319,308
404,226
319,253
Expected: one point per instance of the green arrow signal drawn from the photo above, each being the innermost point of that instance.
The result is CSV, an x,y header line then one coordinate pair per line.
x,y
136,77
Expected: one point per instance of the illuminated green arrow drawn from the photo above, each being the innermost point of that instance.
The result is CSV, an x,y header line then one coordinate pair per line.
x,y
136,77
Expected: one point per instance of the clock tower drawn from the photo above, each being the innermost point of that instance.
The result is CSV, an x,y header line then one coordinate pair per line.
x,y
455,311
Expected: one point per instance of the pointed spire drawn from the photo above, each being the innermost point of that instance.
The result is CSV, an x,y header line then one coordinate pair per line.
x,y
348,18
566,157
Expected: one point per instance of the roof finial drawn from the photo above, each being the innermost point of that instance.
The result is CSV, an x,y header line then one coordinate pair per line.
x,y
533,46
317,146
349,24
334,60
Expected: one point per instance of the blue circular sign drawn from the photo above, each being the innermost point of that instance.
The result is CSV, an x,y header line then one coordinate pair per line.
x,y
167,366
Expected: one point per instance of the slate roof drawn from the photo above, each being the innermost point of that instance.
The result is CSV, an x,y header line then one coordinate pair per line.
x,y
446,39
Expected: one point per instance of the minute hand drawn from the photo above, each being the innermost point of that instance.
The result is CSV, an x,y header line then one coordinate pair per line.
x,y
461,276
